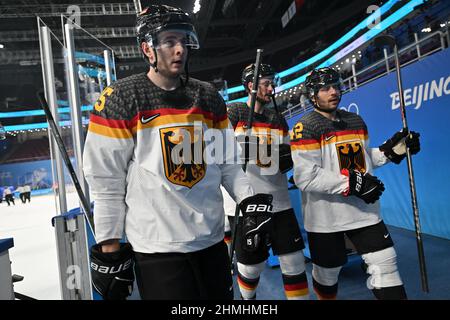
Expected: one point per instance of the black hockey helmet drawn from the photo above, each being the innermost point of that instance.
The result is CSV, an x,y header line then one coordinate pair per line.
x,y
157,18
320,78
265,70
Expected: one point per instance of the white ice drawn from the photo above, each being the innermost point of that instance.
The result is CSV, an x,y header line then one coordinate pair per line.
x,y
34,254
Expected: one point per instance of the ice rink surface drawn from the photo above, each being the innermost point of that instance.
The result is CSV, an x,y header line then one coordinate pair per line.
x,y
34,254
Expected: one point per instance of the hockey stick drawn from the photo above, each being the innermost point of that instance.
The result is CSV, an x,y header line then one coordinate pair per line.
x,y
390,41
56,135
248,133
275,106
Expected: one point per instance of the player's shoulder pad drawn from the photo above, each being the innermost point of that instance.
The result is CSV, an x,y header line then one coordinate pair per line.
x,y
237,107
204,86
353,119
306,127
237,111
209,95
116,100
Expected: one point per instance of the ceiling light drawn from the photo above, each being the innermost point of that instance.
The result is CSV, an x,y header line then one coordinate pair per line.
x,y
197,6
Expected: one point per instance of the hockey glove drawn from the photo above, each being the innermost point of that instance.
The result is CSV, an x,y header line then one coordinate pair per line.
x,y
285,163
249,147
395,147
257,221
363,185
112,272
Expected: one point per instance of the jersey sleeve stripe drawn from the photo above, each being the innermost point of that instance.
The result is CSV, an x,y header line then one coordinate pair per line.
x,y
108,131
171,120
223,124
112,123
305,144
242,124
257,129
172,111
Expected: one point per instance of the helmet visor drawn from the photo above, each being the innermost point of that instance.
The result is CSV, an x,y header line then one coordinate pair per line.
x,y
270,80
172,35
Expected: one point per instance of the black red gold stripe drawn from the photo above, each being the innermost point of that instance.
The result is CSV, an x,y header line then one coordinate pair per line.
x,y
333,137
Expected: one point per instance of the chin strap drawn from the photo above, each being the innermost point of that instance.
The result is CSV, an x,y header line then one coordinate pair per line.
x,y
155,64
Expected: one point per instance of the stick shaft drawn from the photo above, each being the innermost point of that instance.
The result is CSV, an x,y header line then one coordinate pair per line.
x,y
248,133
412,185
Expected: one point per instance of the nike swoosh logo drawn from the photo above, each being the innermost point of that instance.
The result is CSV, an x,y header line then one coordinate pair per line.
x,y
329,138
369,191
386,236
297,240
147,120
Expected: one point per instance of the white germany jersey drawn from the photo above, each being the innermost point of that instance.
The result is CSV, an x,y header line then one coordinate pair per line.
x,y
162,205
264,177
321,148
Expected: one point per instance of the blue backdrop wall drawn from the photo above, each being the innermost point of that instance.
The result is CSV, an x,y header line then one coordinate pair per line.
x,y
426,86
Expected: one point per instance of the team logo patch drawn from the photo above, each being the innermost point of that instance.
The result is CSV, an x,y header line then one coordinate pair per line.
x,y
351,155
264,153
176,170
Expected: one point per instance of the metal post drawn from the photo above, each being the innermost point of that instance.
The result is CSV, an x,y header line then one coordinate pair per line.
x,y
114,78
448,35
386,59
137,6
416,39
354,76
73,262
441,36
50,93
107,67
75,107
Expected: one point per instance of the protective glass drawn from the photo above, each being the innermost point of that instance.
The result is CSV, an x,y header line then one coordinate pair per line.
x,y
2,132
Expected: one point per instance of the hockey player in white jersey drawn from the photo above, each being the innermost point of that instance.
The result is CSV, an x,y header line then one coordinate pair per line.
x,y
333,167
267,176
170,211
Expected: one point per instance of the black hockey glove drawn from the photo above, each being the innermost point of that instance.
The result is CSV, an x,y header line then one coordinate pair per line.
x,y
112,272
256,221
395,147
285,159
249,147
363,185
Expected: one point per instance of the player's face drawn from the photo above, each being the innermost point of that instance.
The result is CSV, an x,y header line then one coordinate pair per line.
x,y
172,53
266,88
328,97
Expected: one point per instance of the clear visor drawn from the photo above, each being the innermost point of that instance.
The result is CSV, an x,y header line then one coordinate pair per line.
x,y
336,85
273,81
172,36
